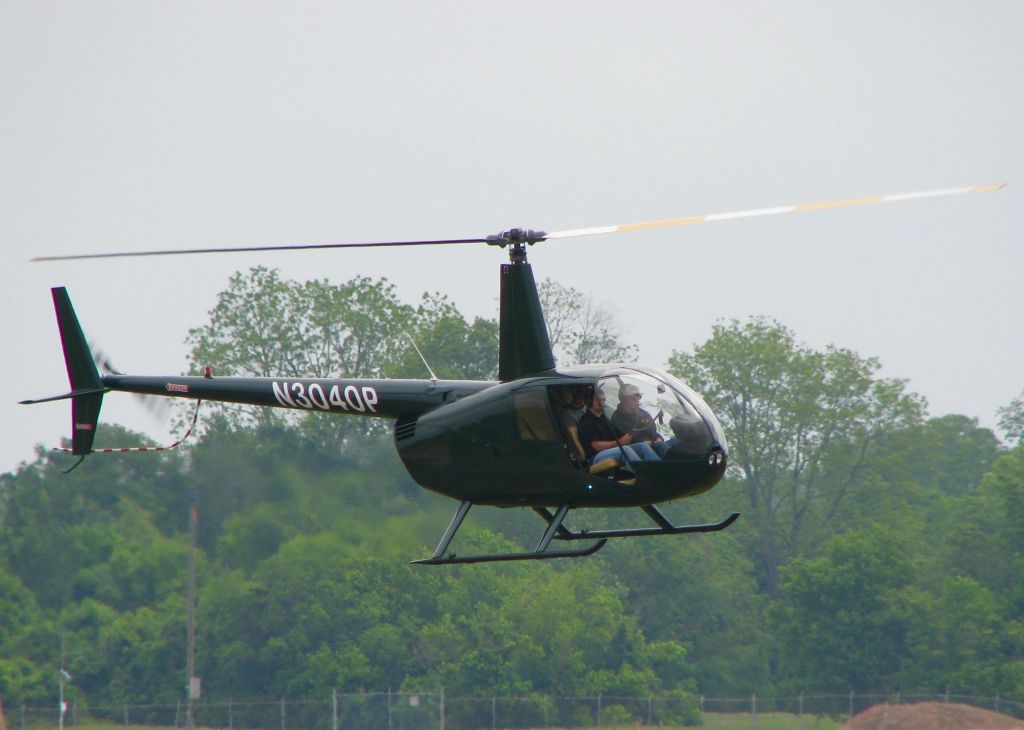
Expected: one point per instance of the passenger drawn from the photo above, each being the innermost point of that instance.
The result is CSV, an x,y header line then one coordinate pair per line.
x,y
630,418
570,404
600,441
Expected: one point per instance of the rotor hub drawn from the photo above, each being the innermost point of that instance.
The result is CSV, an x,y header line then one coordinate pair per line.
x,y
516,239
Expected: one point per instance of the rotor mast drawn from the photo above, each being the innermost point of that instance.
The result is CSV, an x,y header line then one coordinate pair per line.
x,y
524,346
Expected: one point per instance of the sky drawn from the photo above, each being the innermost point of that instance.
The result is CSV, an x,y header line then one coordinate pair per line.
x,y
131,126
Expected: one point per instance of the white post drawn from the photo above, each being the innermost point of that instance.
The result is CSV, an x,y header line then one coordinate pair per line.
x,y
63,676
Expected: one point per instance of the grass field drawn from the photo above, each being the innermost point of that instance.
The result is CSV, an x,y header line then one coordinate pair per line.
x,y
767,721
712,720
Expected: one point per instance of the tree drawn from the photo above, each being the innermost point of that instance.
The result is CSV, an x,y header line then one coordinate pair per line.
x,y
1006,483
263,326
953,639
843,619
59,533
1011,420
800,424
453,347
701,593
581,329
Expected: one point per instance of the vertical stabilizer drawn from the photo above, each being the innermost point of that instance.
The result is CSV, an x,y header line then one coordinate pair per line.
x,y
524,347
86,386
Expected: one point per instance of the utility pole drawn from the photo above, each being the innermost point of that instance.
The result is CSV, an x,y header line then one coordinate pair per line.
x,y
62,707
193,680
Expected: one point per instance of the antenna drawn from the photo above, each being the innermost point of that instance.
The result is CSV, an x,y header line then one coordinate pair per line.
x,y
433,377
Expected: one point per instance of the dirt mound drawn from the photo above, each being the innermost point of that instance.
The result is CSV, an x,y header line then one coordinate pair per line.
x,y
931,716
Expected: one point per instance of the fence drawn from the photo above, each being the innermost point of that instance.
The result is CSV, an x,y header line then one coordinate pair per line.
x,y
437,711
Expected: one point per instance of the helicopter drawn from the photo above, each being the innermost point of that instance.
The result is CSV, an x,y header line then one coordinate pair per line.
x,y
503,443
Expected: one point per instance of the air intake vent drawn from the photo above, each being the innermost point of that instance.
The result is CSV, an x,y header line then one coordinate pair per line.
x,y
405,427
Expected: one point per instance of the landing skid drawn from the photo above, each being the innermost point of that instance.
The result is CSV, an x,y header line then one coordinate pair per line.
x,y
664,527
558,531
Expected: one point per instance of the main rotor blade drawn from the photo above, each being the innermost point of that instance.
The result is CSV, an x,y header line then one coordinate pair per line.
x,y
753,213
498,240
238,249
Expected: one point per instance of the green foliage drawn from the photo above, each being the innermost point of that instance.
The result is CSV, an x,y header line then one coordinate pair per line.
x,y
23,682
842,619
714,609
323,614
800,423
1011,420
17,609
953,638
453,347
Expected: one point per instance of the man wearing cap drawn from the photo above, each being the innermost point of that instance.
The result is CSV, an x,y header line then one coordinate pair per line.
x,y
630,418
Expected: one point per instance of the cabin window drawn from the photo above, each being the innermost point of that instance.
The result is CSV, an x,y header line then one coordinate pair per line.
x,y
533,419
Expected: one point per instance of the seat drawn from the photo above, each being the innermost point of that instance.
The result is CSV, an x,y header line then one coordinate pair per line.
x,y
604,465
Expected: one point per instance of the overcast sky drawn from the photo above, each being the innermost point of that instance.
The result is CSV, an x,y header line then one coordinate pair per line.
x,y
128,125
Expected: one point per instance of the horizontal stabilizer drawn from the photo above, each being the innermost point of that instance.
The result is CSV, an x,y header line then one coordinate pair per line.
x,y
72,394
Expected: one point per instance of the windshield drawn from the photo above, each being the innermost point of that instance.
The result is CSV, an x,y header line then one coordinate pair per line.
x,y
659,408
697,402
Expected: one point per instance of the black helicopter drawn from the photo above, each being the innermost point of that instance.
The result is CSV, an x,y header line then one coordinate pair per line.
x,y
500,443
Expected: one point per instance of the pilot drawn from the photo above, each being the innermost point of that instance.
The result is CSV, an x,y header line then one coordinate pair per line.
x,y
630,418
599,438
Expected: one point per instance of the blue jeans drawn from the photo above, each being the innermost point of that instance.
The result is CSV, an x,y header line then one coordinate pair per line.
x,y
641,451
662,447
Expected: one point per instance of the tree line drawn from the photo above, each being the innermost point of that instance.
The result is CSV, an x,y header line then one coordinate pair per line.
x,y
880,549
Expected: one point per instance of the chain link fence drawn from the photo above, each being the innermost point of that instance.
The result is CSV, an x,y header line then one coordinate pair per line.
x,y
438,711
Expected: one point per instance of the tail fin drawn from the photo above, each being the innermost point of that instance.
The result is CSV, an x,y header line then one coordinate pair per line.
x,y
87,388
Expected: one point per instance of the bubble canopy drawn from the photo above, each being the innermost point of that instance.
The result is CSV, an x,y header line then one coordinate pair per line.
x,y
647,401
